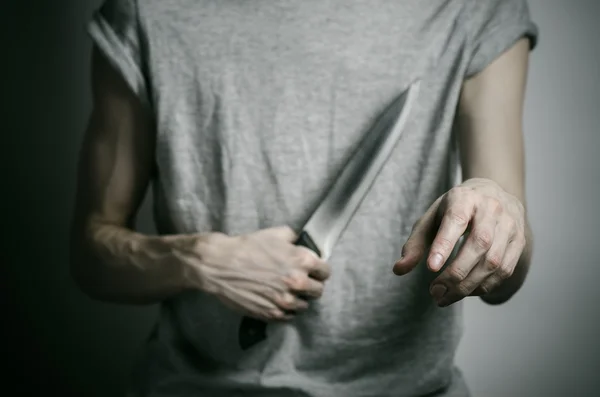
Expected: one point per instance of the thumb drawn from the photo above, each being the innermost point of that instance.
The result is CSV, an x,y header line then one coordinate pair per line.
x,y
416,244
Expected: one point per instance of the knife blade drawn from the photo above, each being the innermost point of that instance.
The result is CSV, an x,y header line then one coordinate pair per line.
x,y
332,216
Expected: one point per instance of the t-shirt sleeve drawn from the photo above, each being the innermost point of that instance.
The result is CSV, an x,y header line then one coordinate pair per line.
x,y
495,26
114,29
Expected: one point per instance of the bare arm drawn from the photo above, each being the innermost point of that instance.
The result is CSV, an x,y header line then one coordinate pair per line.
x,y
109,260
491,138
258,274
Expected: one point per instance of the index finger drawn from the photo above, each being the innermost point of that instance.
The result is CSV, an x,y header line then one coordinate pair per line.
x,y
454,224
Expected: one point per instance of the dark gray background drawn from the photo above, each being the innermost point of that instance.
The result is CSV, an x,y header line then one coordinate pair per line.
x,y
542,343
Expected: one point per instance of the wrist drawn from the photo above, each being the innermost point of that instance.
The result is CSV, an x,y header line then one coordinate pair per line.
x,y
187,256
165,253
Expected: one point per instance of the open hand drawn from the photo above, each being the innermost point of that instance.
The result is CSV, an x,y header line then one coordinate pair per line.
x,y
494,224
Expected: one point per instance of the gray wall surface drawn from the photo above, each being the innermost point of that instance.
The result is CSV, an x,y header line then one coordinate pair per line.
x,y
542,343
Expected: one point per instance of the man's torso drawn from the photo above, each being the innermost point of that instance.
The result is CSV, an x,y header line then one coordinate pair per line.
x,y
257,105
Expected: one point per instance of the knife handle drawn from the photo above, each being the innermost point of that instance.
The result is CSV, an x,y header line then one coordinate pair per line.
x,y
304,240
253,331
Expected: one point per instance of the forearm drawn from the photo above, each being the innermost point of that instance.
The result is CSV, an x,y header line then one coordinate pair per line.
x,y
512,285
115,264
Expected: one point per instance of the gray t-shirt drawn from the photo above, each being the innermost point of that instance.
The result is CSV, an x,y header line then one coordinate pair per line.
x,y
257,105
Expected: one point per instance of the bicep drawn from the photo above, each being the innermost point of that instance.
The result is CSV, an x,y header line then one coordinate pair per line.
x,y
489,121
116,157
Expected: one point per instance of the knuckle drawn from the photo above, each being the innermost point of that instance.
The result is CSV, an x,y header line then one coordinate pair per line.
x,y
286,300
483,239
457,217
297,281
456,274
505,272
510,224
495,205
463,289
307,258
442,245
493,262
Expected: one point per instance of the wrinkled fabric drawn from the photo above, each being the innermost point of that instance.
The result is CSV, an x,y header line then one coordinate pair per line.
x,y
257,106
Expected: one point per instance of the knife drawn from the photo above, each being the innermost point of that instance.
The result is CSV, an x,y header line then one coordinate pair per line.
x,y
328,222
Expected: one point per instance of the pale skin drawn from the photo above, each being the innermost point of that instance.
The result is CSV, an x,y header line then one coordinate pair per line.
x,y
262,274
496,256
259,274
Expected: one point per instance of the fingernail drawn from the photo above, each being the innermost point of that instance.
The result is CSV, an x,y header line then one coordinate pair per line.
x,y
398,269
438,291
436,260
